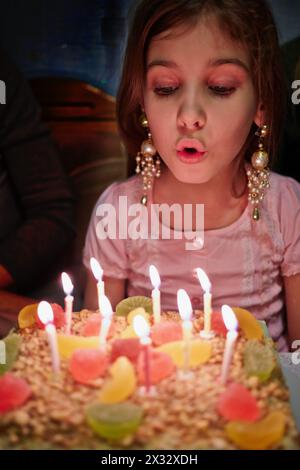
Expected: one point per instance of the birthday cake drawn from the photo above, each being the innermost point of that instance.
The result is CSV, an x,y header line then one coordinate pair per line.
x,y
110,397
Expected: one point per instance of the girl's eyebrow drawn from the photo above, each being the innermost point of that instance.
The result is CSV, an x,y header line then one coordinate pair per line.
x,y
164,63
234,61
212,63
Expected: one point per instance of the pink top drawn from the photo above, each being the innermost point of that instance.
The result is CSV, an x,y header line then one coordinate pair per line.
x,y
245,261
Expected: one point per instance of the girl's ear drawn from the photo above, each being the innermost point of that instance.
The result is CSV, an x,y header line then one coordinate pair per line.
x,y
260,117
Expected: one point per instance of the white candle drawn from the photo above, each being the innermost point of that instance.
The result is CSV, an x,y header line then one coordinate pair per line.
x,y
142,330
45,314
207,332
231,324
98,274
68,289
107,314
185,312
155,280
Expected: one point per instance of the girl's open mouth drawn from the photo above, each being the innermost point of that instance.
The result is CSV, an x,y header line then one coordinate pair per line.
x,y
190,155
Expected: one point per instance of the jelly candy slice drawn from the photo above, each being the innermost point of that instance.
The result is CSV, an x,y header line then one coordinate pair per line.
x,y
166,332
260,435
237,403
248,324
127,305
114,421
88,364
122,383
58,315
259,360
14,392
12,344
137,311
27,316
161,366
67,344
93,325
200,352
129,348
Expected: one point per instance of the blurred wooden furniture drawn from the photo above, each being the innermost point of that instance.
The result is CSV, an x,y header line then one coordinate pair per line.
x,y
82,121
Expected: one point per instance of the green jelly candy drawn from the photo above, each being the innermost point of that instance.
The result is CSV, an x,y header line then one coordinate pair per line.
x,y
9,349
114,421
127,305
259,360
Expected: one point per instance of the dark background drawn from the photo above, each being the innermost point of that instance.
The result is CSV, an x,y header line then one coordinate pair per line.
x,y
84,38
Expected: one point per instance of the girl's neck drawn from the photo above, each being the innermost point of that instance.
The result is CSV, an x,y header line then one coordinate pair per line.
x,y
224,197
222,188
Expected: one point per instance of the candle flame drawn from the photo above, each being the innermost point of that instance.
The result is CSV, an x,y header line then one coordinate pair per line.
x,y
106,308
229,318
141,326
67,284
184,305
45,312
204,280
154,276
96,269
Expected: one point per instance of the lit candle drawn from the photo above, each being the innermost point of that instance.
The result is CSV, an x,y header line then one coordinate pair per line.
x,y
107,314
207,333
68,289
142,330
155,281
185,312
98,274
231,324
45,314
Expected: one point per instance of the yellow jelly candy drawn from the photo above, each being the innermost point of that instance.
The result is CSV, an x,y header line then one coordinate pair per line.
x,y
67,344
138,311
122,383
248,324
200,352
26,317
260,435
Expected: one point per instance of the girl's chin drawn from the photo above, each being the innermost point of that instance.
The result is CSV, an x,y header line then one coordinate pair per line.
x,y
191,178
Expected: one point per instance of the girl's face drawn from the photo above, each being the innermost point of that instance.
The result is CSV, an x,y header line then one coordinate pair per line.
x,y
199,100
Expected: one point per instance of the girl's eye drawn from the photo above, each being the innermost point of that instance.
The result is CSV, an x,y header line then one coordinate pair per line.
x,y
165,91
221,90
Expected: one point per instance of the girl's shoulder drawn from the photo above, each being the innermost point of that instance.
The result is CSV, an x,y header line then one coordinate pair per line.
x,y
283,199
285,192
130,188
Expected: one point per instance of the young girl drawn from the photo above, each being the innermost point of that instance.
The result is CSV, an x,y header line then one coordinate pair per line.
x,y
205,76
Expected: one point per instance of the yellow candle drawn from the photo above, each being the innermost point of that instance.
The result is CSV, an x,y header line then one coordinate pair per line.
x,y
207,332
155,280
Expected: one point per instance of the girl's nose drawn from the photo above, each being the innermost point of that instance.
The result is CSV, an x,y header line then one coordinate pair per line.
x,y
191,116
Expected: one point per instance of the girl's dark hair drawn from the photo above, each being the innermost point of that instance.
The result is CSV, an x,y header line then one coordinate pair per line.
x,y
250,22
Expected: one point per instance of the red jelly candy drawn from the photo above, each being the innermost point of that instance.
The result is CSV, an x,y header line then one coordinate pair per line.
x,y
14,392
59,318
88,364
93,324
129,348
217,324
237,404
161,366
166,332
